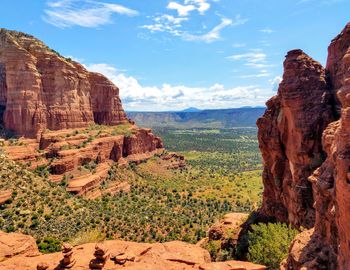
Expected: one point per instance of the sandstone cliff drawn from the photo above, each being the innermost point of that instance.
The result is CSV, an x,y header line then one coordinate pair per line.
x,y
290,139
39,89
306,152
69,117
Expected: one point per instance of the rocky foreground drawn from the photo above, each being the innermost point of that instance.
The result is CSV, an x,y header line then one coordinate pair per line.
x,y
18,251
304,138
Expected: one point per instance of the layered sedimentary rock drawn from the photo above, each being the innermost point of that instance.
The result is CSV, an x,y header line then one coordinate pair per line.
x,y
113,255
83,158
326,246
39,89
338,66
290,139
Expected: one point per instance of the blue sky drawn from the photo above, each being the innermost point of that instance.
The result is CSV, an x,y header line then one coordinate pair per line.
x,y
174,54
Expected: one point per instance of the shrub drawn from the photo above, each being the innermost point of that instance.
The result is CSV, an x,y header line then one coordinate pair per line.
x,y
213,247
269,243
49,245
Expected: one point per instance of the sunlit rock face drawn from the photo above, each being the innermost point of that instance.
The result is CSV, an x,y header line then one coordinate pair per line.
x,y
290,139
289,154
39,89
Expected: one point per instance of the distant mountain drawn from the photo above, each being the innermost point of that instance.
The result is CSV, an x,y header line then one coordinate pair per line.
x,y
221,118
191,109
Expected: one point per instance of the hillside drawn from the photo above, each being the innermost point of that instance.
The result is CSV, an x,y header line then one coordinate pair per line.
x,y
225,118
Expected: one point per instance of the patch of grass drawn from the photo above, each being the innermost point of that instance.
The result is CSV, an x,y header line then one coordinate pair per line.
x,y
83,237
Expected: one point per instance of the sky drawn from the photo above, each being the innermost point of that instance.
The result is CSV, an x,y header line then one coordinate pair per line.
x,y
174,54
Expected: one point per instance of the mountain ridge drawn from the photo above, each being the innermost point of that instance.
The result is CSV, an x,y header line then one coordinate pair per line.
x,y
213,118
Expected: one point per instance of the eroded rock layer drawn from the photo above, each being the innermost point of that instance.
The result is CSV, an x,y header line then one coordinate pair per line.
x,y
327,245
290,139
83,158
39,89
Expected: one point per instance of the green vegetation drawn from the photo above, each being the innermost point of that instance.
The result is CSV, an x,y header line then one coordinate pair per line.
x,y
162,204
49,245
269,243
235,140
147,213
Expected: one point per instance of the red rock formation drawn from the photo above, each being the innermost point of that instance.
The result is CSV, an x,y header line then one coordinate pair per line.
x,y
66,152
338,66
16,244
176,160
290,139
39,89
124,255
327,245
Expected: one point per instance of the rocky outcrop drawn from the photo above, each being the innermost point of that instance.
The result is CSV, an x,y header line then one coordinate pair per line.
x,y
82,159
176,160
39,89
116,254
228,228
335,178
327,245
223,236
16,244
290,139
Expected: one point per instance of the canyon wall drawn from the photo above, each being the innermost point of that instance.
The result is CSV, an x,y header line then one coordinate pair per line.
x,y
290,139
39,89
304,137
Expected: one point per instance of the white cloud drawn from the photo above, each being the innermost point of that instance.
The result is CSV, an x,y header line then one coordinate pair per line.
x,y
135,96
182,10
254,59
267,30
166,23
212,35
84,13
188,6
251,57
173,26
275,82
261,74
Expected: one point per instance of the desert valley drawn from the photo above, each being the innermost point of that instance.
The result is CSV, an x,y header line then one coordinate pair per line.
x,y
87,184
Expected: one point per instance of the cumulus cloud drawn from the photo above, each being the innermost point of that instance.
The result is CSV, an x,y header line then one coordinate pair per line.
x,y
136,96
166,23
188,6
84,13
